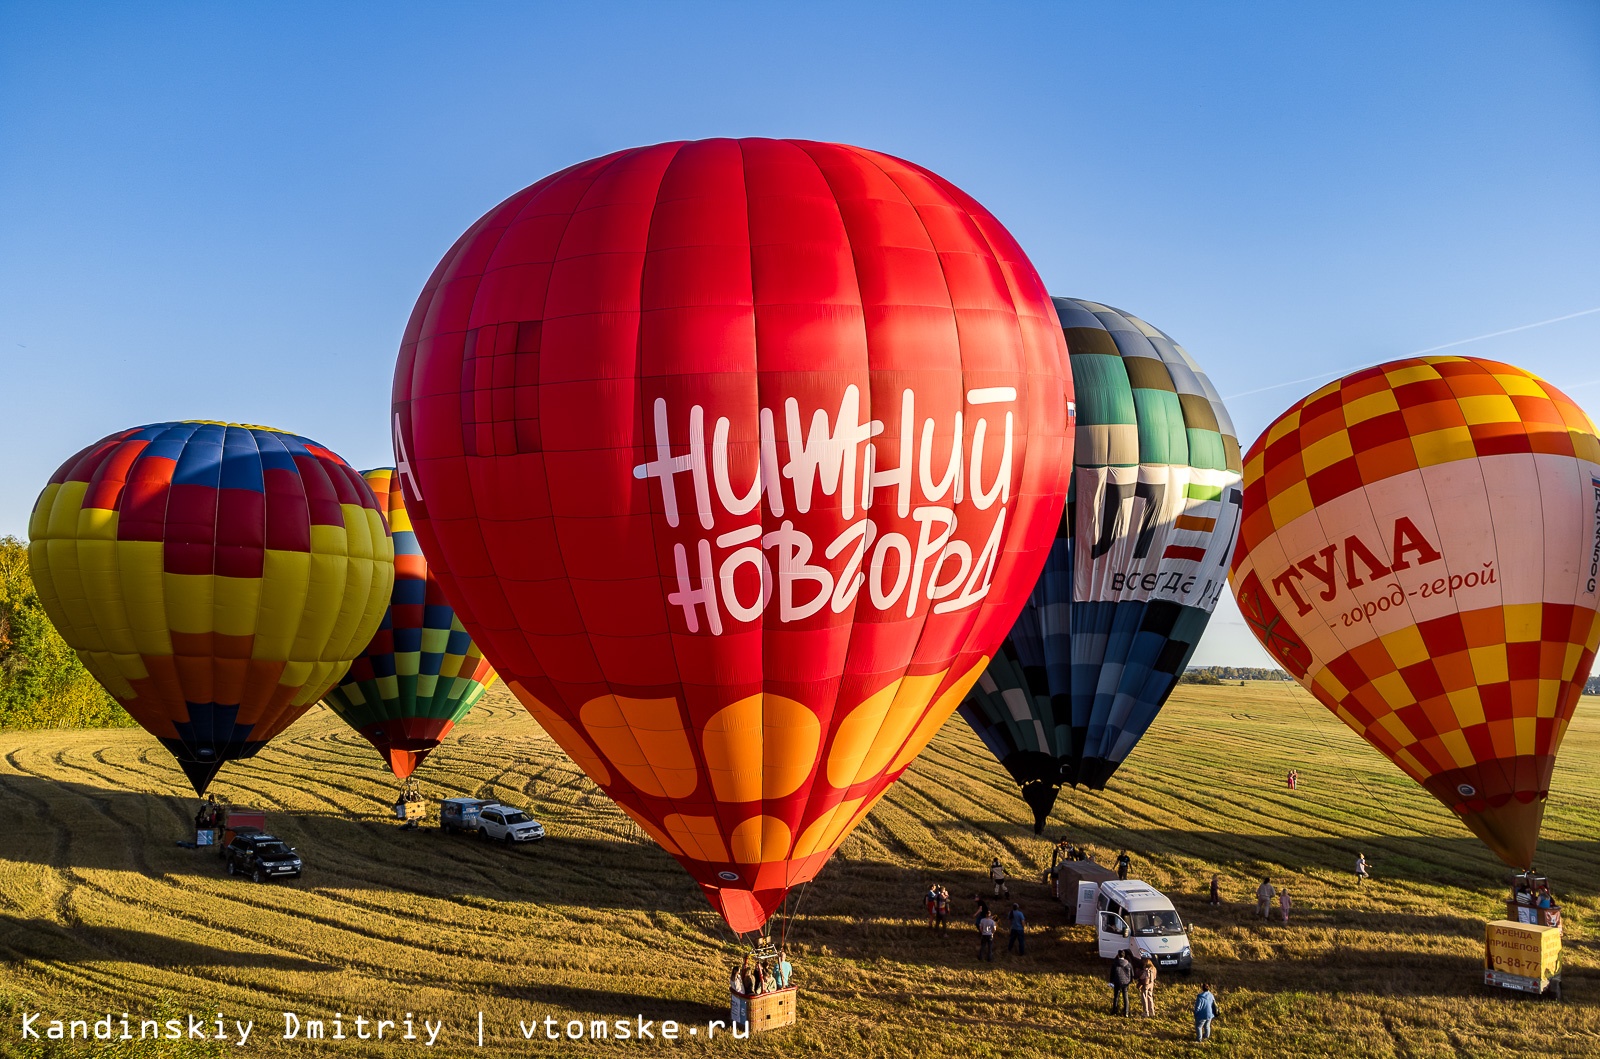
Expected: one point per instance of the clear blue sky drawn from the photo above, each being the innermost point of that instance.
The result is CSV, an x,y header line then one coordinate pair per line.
x,y
226,211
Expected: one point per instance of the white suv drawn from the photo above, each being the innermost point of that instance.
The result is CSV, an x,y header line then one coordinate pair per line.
x,y
508,825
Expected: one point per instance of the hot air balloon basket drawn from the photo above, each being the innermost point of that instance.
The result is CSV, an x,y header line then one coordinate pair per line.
x,y
764,1011
1539,917
410,806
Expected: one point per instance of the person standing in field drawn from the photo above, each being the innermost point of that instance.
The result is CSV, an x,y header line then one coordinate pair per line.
x,y
1264,894
1124,862
1205,1009
1018,925
930,900
997,875
1361,868
1147,986
1216,889
986,927
941,909
1284,904
1120,977
1057,855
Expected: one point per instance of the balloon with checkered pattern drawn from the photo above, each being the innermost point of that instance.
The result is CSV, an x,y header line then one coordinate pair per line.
x,y
1137,565
1420,549
215,578
421,673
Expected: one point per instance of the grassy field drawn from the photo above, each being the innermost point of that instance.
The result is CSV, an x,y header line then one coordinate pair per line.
x,y
101,912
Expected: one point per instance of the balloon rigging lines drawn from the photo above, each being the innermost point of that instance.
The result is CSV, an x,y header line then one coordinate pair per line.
x,y
1420,352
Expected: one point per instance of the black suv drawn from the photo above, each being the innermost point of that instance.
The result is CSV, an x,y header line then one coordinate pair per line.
x,y
261,857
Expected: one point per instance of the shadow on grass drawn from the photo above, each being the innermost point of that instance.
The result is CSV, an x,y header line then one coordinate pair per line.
x,y
76,826
40,939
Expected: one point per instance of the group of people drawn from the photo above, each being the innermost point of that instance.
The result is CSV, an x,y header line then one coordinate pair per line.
x,y
1264,895
987,925
1126,972
936,903
210,814
1065,850
761,978
1534,894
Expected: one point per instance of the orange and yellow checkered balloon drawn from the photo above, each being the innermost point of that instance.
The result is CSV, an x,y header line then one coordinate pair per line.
x,y
216,578
1420,548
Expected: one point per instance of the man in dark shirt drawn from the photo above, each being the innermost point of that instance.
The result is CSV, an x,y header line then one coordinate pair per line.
x,y
1121,977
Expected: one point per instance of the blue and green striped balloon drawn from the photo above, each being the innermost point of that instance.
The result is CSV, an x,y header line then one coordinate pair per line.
x,y
1138,563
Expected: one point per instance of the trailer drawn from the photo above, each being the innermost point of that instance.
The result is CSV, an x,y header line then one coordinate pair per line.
x,y
1525,957
235,820
1078,885
461,814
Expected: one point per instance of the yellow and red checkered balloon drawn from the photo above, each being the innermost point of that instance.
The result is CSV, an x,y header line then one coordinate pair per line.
x,y
1420,549
216,578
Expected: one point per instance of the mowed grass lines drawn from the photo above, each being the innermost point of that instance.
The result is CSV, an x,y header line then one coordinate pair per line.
x,y
101,911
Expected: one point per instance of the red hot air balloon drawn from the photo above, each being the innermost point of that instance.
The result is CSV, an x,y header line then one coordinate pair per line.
x,y
738,459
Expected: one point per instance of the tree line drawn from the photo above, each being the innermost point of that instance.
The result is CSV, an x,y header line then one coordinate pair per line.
x,y
42,682
1229,674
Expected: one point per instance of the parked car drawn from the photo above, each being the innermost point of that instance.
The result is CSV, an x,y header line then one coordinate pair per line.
x,y
1135,916
262,857
507,824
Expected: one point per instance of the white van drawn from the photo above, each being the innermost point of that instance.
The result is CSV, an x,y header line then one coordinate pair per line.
x,y
1135,916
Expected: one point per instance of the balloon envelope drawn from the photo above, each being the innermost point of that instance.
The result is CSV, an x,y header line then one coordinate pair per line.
x,y
421,673
1419,549
1137,565
737,458
216,578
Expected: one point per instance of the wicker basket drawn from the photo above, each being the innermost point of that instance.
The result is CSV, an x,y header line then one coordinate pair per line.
x,y
764,1011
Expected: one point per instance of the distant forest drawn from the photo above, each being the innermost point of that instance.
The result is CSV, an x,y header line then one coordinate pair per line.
x,y
42,682
1228,674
